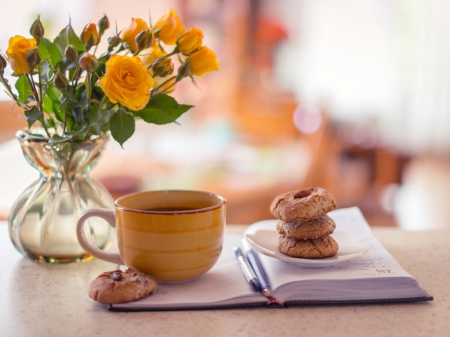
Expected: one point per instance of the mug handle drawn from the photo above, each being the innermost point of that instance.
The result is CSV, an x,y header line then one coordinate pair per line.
x,y
109,216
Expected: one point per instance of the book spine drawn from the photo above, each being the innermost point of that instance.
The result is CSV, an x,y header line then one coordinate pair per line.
x,y
272,302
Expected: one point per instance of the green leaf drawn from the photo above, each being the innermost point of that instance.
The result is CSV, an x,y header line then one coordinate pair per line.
x,y
33,115
45,71
58,139
53,92
50,122
49,51
66,65
80,131
55,108
47,104
74,111
69,123
98,118
23,88
67,36
122,126
52,106
162,109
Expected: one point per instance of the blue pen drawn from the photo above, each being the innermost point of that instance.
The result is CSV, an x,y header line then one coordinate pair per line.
x,y
252,279
258,268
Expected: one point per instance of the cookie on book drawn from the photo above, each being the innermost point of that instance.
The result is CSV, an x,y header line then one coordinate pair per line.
x,y
303,204
307,229
324,246
121,286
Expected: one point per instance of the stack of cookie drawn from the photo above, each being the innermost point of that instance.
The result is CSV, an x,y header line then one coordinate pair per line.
x,y
303,226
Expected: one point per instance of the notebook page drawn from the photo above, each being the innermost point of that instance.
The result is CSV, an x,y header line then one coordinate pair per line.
x,y
376,263
222,283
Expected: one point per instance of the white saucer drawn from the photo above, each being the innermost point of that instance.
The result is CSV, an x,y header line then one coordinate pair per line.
x,y
262,236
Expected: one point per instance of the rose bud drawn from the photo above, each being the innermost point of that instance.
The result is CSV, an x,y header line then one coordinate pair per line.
x,y
90,36
183,71
89,62
150,55
37,29
129,34
3,64
162,67
168,27
144,39
203,61
33,58
190,40
60,81
103,24
71,53
113,42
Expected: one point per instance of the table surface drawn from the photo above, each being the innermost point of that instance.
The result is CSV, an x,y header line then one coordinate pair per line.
x,y
52,300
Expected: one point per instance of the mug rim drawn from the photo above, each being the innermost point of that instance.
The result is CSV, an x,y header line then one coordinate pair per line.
x,y
222,202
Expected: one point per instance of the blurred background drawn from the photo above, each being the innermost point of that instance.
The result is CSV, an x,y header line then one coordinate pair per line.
x,y
349,95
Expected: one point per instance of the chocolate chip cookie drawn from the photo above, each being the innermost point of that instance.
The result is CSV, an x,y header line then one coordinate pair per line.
x,y
121,286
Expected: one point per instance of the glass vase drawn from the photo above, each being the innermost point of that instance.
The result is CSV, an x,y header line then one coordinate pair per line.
x,y
42,221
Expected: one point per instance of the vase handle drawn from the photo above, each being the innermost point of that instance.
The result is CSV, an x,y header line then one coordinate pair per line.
x,y
110,217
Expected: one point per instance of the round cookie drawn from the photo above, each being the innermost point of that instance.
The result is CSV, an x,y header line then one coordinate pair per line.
x,y
303,204
121,286
324,246
307,229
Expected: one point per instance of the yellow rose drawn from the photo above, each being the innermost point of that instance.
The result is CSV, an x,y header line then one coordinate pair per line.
x,y
168,27
127,82
90,35
17,51
150,55
129,34
190,40
203,61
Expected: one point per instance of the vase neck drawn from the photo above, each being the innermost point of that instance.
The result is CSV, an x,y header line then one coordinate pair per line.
x,y
63,160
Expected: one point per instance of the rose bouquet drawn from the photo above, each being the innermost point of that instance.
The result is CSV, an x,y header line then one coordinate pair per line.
x,y
71,94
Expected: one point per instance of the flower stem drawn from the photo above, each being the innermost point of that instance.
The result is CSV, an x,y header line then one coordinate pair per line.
x,y
154,91
38,101
65,124
33,87
40,91
88,96
8,88
88,88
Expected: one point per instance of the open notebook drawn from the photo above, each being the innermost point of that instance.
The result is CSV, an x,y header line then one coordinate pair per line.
x,y
373,277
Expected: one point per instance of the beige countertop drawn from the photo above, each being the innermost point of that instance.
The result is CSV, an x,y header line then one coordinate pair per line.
x,y
51,300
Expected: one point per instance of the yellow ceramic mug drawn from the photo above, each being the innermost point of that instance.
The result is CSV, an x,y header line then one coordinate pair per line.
x,y
173,235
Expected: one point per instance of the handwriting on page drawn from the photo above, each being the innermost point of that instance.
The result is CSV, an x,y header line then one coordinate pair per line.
x,y
376,264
